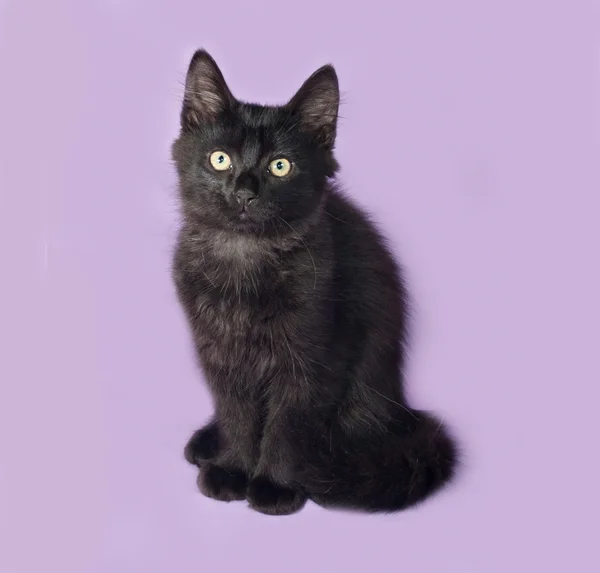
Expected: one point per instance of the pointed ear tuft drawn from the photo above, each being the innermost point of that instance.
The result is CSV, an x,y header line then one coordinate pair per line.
x,y
317,103
206,92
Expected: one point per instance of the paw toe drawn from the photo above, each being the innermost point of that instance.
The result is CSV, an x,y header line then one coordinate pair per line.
x,y
222,484
203,445
270,498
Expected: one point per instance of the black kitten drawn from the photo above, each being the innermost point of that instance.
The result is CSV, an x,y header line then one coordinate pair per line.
x,y
297,310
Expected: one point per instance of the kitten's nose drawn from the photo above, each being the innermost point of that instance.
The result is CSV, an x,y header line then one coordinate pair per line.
x,y
245,196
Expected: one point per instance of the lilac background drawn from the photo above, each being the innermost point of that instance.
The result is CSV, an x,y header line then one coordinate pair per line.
x,y
487,183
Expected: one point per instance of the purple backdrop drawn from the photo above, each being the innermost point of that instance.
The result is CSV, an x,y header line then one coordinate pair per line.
x,y
485,169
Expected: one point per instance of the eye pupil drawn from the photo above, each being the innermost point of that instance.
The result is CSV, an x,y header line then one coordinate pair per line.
x,y
280,165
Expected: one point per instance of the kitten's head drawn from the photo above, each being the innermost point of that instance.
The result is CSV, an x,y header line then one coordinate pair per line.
x,y
252,168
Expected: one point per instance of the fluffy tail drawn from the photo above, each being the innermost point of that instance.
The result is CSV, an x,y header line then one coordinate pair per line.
x,y
388,471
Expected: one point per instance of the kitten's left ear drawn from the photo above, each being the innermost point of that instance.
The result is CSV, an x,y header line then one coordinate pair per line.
x,y
206,92
317,103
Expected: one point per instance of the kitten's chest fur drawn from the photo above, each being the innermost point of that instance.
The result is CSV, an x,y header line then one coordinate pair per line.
x,y
239,294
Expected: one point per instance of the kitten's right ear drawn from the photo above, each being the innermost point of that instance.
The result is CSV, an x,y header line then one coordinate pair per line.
x,y
206,93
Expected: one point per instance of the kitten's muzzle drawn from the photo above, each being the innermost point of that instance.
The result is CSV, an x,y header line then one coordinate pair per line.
x,y
244,198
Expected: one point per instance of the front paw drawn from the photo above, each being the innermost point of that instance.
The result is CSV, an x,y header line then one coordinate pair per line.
x,y
203,445
222,484
267,497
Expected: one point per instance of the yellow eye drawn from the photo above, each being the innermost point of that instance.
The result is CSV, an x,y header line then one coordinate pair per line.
x,y
280,167
220,160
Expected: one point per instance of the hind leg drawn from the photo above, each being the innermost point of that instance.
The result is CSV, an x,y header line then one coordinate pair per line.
x,y
204,445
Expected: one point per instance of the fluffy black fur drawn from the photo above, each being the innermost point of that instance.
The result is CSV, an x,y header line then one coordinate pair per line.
x,y
298,313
